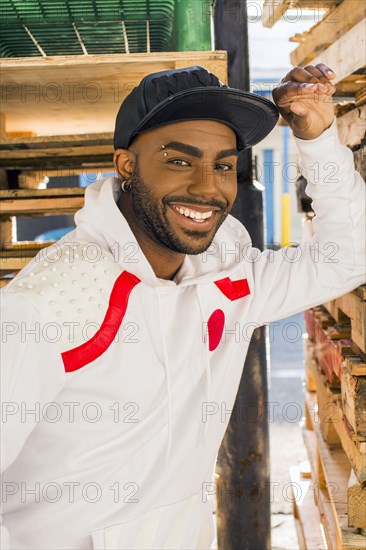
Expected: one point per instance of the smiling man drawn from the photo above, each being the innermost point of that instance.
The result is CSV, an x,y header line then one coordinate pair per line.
x,y
123,342
195,192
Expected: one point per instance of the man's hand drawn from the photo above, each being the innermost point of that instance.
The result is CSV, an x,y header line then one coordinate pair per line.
x,y
304,100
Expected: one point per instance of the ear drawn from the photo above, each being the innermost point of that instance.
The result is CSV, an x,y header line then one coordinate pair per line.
x,y
124,163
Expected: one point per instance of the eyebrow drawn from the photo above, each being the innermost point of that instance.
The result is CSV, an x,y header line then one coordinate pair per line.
x,y
196,152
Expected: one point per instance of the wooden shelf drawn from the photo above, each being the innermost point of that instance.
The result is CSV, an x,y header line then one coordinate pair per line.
x,y
82,94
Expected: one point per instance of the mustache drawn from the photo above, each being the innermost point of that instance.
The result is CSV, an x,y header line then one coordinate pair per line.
x,y
190,200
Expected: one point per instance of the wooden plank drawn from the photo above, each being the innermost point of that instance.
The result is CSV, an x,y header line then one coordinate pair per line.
x,y
351,126
331,469
308,348
334,24
356,366
42,206
355,309
15,260
336,471
32,178
56,152
359,324
360,291
34,246
90,88
7,232
334,310
355,451
20,155
306,514
4,281
11,194
24,144
326,399
359,157
356,503
311,410
346,55
321,500
273,10
97,162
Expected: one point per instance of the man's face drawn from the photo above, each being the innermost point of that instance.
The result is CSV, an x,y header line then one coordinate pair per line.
x,y
182,192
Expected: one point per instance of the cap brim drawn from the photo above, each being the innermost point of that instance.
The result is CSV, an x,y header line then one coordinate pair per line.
x,y
250,116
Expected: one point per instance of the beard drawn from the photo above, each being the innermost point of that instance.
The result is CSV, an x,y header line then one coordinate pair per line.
x,y
151,214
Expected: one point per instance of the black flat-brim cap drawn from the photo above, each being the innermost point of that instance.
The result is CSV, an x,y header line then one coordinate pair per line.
x,y
193,93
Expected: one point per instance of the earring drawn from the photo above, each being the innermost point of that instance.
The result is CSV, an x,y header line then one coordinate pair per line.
x,y
125,186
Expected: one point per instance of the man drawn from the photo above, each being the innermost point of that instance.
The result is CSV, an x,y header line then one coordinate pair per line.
x,y
117,339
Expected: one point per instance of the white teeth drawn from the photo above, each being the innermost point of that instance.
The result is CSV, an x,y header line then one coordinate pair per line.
x,y
197,216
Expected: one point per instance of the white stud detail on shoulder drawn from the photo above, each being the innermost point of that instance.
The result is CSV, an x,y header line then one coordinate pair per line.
x,y
49,283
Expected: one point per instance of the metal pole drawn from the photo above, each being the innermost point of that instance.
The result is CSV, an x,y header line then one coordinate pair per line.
x,y
243,490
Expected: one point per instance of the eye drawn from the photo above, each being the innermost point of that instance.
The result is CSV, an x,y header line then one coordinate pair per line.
x,y
224,167
178,162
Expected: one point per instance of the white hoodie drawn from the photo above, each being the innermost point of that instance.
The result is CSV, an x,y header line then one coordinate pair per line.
x,y
121,445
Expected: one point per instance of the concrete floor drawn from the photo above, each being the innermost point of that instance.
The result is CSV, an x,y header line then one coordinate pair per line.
x,y
286,444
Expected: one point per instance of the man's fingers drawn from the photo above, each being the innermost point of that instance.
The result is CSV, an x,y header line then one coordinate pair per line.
x,y
288,91
319,73
297,74
327,71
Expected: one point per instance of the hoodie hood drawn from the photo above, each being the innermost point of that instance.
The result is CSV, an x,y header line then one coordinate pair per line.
x,y
100,221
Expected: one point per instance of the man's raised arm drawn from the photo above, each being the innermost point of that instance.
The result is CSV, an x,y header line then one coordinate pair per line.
x,y
333,262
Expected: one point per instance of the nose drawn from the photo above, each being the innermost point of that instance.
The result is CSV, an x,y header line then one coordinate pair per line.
x,y
206,182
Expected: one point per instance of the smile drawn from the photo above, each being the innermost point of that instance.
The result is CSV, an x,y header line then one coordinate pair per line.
x,y
199,217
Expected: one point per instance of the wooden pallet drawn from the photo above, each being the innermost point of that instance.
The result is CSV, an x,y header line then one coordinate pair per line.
x,y
336,22
57,152
41,202
345,57
90,88
335,427
330,476
273,10
353,306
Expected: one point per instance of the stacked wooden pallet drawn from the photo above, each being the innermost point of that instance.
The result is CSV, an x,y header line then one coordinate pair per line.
x,y
78,98
330,511
335,427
